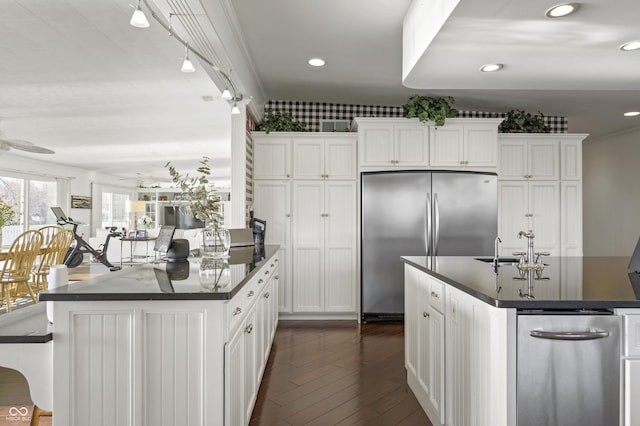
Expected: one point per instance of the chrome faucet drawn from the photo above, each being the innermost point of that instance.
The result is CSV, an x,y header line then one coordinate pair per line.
x,y
496,255
530,236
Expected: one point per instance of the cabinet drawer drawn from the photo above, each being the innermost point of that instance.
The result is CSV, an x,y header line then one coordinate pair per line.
x,y
436,299
632,331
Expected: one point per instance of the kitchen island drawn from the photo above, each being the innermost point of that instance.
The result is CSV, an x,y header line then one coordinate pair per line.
x,y
162,343
465,334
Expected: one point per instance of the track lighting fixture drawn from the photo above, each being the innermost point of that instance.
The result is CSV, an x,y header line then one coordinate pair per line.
x,y
187,66
235,110
138,19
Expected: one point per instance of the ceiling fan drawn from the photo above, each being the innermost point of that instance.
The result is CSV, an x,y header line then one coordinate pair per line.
x,y
7,144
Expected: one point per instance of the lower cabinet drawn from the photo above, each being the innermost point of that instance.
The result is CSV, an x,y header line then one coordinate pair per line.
x,y
424,340
247,351
457,358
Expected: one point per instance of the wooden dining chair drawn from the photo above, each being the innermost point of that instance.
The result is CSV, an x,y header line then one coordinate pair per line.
x,y
18,265
53,253
48,232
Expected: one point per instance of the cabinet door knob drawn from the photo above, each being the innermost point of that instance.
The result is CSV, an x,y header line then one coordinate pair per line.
x,y
288,175
425,314
277,277
250,294
266,272
237,311
260,281
248,329
528,215
288,215
434,294
266,295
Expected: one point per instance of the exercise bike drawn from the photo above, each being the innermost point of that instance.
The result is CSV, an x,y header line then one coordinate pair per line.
x,y
75,254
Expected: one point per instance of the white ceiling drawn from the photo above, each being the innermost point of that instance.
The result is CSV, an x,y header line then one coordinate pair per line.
x,y
77,79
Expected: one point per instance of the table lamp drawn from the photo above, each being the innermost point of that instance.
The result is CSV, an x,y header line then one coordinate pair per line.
x,y
136,207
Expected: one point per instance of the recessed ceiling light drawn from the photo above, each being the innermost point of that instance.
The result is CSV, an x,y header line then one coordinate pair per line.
x,y
491,67
631,113
563,9
631,45
316,62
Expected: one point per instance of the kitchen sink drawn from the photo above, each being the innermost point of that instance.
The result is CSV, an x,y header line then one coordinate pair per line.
x,y
501,260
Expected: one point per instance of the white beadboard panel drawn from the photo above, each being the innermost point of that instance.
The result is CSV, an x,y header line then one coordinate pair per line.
x,y
632,331
543,160
378,147
308,279
272,158
480,145
308,159
101,361
173,369
571,160
340,158
411,144
340,206
631,392
513,160
340,278
308,219
445,144
571,218
544,202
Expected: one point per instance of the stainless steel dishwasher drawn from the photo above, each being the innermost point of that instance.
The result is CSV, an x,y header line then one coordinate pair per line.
x,y
568,369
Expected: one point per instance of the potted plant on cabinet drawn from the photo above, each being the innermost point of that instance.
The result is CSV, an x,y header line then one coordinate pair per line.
x,y
430,109
519,121
205,204
280,121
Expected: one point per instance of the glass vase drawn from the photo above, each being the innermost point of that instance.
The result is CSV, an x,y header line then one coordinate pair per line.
x,y
214,273
215,242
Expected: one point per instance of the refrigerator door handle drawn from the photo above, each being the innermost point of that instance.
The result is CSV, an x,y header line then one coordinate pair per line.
x,y
569,335
427,227
436,224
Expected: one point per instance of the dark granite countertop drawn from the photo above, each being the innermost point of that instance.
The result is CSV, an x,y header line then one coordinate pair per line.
x,y
170,281
565,282
26,325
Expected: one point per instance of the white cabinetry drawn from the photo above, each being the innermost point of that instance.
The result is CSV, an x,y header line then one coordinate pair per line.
x,y
272,202
424,341
324,246
272,157
320,158
540,189
392,142
457,354
631,368
312,216
472,144
529,205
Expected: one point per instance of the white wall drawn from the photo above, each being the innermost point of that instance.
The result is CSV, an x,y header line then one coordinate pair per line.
x,y
611,193
80,181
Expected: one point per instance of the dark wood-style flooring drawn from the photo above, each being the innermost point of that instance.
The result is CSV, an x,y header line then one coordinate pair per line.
x,y
337,373
319,373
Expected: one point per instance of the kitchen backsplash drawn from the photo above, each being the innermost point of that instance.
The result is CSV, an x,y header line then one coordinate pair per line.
x,y
313,112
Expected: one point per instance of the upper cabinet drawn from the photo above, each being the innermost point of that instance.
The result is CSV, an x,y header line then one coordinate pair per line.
x,y
271,156
392,142
464,143
331,157
400,142
540,156
283,156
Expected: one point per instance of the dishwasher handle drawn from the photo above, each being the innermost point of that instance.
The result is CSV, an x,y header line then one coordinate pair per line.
x,y
569,335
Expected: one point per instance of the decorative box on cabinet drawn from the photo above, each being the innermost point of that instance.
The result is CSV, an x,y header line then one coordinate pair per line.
x,y
392,142
464,143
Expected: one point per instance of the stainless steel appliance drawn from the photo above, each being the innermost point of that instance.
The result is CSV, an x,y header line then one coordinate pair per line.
x,y
418,213
568,370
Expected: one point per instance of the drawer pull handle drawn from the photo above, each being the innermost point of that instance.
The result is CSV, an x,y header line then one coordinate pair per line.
x,y
248,329
272,265
237,311
251,293
425,314
277,277
260,281
266,295
434,294
266,272
276,260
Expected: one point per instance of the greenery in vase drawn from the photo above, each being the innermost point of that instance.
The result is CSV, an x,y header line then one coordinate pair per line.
x,y
519,121
6,214
430,109
200,193
280,121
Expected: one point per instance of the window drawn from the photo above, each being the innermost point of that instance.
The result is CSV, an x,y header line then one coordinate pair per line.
x,y
31,200
114,211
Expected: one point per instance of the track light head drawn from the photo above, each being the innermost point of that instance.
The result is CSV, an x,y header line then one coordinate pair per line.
x,y
187,66
226,94
235,110
138,19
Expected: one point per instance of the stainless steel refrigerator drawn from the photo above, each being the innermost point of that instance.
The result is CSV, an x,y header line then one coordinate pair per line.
x,y
420,213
